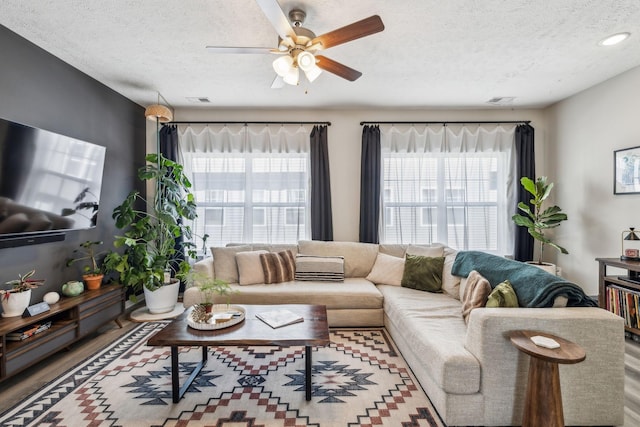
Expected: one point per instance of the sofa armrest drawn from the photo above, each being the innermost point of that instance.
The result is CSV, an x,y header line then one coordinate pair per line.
x,y
205,267
592,391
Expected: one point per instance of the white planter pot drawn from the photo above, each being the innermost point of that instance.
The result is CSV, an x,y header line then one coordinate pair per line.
x,y
16,303
546,266
162,300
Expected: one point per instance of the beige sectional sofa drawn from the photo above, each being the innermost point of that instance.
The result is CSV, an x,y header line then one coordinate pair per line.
x,y
471,372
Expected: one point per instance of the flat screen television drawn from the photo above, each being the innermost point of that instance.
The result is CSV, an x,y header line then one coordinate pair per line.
x,y
49,184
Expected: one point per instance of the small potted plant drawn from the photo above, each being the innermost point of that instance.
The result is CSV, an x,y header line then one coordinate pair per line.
x,y
16,299
93,273
209,288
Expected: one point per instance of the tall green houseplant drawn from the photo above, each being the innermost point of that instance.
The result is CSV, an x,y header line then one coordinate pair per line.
x,y
540,219
145,249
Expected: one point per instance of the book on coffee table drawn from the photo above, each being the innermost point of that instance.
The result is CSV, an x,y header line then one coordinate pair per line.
x,y
279,318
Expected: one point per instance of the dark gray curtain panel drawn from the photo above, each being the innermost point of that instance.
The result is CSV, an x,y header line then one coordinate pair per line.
x,y
370,182
526,164
321,213
169,149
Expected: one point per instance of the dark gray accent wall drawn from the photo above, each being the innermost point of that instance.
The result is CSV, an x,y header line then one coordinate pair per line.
x,y
40,90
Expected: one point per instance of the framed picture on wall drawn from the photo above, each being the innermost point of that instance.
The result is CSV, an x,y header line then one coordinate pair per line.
x,y
626,171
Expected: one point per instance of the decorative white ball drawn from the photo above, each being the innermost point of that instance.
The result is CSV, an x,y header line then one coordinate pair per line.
x,y
51,297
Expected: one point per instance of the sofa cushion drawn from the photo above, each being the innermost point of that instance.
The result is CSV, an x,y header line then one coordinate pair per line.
x,y
396,249
278,267
224,262
358,257
249,267
319,268
431,323
503,295
476,292
434,250
387,270
354,294
423,273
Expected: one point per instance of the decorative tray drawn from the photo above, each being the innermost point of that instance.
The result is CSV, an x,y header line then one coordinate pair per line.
x,y
221,316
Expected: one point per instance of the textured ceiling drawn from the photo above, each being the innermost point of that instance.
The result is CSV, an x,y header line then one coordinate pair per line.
x,y
432,53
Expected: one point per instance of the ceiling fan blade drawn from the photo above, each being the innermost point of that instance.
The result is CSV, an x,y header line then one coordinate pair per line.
x,y
278,19
224,49
278,83
363,28
337,68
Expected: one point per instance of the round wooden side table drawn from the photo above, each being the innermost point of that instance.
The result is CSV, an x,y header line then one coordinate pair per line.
x,y
543,401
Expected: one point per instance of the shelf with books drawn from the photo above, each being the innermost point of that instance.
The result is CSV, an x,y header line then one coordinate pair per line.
x,y
620,294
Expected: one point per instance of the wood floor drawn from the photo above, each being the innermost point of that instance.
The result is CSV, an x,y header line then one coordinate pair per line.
x,y
15,389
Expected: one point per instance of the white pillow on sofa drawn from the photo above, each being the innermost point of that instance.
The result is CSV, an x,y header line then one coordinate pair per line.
x,y
250,270
387,270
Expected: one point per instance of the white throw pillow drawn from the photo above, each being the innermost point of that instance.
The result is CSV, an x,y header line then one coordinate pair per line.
x,y
387,270
250,270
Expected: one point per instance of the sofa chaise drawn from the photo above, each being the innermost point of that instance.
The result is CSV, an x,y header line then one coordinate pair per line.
x,y
469,369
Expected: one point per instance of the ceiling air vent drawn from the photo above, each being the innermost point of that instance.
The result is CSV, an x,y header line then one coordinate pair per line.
x,y
198,99
501,100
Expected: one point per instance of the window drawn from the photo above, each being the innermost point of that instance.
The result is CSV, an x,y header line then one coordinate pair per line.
x,y
462,199
249,186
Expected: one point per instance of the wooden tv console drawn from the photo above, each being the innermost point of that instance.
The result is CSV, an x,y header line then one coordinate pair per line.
x,y
72,318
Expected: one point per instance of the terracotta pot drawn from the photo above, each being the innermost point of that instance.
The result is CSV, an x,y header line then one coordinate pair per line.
x,y
16,303
93,281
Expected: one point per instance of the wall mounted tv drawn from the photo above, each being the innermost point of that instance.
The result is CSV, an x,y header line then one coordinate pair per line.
x,y
49,184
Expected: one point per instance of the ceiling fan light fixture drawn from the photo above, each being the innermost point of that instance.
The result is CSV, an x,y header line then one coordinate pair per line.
x,y
283,65
292,76
306,60
312,73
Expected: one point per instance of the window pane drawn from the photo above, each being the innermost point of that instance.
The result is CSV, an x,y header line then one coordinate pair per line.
x,y
448,198
248,199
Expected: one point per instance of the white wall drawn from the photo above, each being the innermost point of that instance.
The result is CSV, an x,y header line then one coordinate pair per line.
x,y
583,132
345,140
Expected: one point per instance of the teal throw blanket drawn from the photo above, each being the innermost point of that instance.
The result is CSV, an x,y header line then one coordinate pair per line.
x,y
533,286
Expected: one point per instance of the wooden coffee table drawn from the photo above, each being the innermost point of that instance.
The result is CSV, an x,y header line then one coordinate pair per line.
x,y
313,331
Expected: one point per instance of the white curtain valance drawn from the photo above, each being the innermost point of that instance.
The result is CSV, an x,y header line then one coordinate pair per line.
x,y
447,139
244,139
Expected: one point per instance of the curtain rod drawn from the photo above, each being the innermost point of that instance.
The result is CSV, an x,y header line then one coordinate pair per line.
x,y
231,122
469,122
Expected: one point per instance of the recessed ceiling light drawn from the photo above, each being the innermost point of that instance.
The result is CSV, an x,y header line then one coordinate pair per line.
x,y
614,39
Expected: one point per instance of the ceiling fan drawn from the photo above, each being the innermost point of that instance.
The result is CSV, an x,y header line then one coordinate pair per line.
x,y
298,47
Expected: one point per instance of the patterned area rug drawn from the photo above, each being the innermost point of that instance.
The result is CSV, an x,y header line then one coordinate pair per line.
x,y
358,380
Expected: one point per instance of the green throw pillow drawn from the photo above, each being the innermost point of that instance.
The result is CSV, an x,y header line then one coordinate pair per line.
x,y
503,295
423,273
